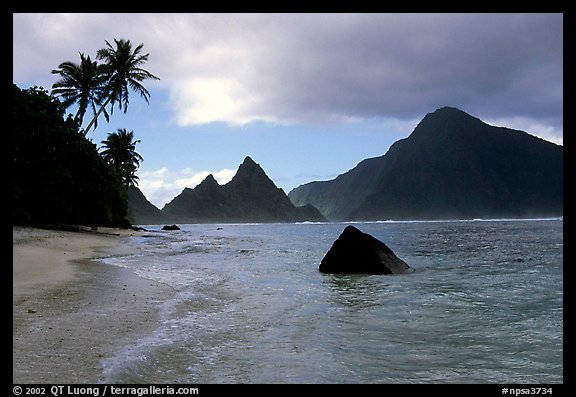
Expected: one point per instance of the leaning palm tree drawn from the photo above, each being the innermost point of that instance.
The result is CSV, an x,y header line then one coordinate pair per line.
x,y
122,71
81,83
119,150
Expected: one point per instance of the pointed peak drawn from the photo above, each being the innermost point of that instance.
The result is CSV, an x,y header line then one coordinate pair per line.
x,y
248,161
249,165
209,181
250,172
209,178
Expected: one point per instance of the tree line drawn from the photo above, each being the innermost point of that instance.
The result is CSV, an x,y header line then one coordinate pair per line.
x,y
59,175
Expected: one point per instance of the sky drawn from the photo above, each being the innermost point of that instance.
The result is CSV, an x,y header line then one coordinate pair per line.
x,y
307,96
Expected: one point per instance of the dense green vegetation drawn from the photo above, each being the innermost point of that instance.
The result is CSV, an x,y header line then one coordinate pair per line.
x,y
58,176
119,150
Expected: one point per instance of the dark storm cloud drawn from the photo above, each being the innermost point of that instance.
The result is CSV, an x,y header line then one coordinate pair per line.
x,y
326,67
404,66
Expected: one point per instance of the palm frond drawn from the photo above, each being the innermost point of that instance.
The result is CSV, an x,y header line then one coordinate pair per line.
x,y
119,149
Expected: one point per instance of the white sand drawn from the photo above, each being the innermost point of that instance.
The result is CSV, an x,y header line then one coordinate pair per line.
x,y
69,313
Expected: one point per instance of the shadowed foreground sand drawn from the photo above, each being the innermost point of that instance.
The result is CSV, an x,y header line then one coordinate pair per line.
x,y
70,313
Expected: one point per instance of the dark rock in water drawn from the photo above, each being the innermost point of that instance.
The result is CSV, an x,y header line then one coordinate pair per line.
x,y
358,252
170,227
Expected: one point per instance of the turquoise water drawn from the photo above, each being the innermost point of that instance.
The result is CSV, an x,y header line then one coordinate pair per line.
x,y
484,305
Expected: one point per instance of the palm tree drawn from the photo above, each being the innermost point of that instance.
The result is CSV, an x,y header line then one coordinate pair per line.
x,y
120,152
122,71
80,83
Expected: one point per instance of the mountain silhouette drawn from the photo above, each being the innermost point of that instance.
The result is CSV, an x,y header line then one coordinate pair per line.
x,y
249,197
452,166
141,211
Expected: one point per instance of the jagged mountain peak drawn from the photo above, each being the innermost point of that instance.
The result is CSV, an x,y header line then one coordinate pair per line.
x,y
209,180
251,196
249,165
248,162
250,173
209,183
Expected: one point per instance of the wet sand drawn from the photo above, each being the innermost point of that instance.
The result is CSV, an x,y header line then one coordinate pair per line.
x,y
70,312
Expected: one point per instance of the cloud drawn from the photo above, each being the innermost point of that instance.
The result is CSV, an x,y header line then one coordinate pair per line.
x,y
162,185
533,127
323,68
212,100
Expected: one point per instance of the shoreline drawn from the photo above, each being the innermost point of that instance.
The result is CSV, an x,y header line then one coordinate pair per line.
x,y
70,312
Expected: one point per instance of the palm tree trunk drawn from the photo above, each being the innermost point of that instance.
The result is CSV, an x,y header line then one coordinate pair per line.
x,y
78,118
96,115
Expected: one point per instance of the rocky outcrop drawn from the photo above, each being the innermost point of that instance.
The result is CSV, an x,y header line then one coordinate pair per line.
x,y
170,227
358,252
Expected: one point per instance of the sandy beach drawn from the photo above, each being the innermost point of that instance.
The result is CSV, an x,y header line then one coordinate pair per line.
x,y
70,312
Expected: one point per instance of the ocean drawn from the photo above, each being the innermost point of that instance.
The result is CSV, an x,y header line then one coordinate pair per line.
x,y
484,305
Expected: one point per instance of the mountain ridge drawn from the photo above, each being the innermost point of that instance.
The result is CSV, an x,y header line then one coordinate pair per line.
x,y
251,196
453,165
140,210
